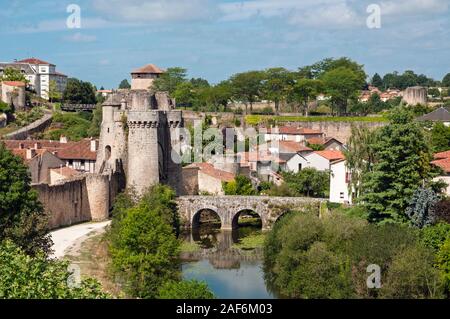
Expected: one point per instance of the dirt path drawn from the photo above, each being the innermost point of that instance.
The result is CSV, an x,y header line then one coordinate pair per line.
x,y
71,238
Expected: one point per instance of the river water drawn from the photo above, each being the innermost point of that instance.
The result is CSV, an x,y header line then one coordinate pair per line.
x,y
230,273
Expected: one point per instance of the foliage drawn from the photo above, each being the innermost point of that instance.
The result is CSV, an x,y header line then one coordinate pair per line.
x,y
434,236
25,118
247,87
277,83
407,79
309,257
22,218
242,185
402,161
309,182
94,128
421,209
259,119
53,93
283,190
75,126
169,80
13,74
440,137
377,81
26,277
124,84
443,263
79,92
5,108
446,80
305,91
442,211
185,290
251,242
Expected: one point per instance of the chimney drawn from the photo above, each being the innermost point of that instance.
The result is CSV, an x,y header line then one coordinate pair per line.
x,y
63,139
37,146
31,153
93,145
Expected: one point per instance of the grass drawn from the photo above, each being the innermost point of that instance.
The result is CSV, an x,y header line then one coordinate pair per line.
x,y
258,119
251,242
189,247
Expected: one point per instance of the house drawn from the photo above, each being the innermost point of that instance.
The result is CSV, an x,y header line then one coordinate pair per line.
x,y
143,77
442,160
340,179
319,160
104,93
328,143
61,174
290,133
39,73
13,93
439,115
80,156
285,147
210,179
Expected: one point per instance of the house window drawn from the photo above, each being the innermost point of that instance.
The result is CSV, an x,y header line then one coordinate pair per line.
x,y
342,195
300,167
348,177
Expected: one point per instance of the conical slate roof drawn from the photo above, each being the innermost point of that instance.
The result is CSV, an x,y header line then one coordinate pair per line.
x,y
439,115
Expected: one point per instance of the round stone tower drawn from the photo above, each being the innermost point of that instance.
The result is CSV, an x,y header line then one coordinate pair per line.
x,y
415,95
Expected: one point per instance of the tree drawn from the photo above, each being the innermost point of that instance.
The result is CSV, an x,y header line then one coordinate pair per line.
x,y
37,277
318,69
276,85
22,218
220,94
12,74
247,87
434,92
402,162
446,81
143,244
79,92
342,84
185,290
308,182
306,90
241,185
377,81
94,129
440,137
421,210
185,94
169,80
53,92
124,84
443,262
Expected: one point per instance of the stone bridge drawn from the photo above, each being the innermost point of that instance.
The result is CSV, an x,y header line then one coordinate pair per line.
x,y
228,208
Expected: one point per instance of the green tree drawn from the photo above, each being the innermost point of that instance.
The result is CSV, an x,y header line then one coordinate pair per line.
x,y
53,92
377,81
13,74
434,92
170,80
143,244
185,94
185,290
37,277
241,185
220,94
247,87
446,80
343,84
94,129
277,84
308,182
5,108
440,137
79,92
22,218
305,91
443,262
402,162
124,84
421,209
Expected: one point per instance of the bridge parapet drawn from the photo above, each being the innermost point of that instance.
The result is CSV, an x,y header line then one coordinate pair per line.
x,y
228,208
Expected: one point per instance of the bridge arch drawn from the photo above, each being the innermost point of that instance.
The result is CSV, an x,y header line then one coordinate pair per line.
x,y
242,211
197,216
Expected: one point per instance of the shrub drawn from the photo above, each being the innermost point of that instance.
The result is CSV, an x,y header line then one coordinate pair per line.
x,y
185,290
434,236
443,262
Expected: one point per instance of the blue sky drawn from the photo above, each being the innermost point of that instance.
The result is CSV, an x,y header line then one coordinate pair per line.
x,y
217,38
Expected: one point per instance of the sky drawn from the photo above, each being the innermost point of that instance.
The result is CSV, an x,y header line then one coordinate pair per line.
x,y
215,39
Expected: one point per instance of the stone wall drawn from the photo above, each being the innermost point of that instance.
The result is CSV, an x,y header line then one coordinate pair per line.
x,y
190,181
78,200
35,127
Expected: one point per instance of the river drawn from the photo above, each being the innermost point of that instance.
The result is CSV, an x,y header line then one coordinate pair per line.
x,y
231,273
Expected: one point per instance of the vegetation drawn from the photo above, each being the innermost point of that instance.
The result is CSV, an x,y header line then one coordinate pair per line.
x,y
309,257
241,185
261,119
13,74
22,218
79,92
36,277
75,126
308,182
185,290
124,84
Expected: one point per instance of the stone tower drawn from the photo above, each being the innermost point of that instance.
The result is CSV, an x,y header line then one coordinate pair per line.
x,y
139,135
415,95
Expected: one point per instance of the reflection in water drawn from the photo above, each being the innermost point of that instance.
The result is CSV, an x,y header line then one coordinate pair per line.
x,y
228,271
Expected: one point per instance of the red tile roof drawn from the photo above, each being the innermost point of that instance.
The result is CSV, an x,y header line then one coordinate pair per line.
x,y
80,150
443,163
65,171
34,61
442,155
331,155
210,170
150,68
287,146
321,140
14,83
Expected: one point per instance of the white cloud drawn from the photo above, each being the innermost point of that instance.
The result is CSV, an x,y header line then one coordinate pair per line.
x,y
147,11
79,37
407,7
